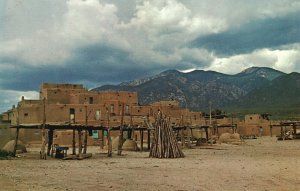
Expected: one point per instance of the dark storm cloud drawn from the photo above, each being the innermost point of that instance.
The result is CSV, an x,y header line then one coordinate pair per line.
x,y
95,65
258,34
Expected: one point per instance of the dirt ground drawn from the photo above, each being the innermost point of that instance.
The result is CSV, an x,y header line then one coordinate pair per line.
x,y
261,164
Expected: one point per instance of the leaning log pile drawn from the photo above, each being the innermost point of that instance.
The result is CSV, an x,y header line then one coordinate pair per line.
x,y
164,144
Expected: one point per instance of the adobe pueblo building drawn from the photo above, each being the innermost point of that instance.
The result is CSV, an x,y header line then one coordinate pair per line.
x,y
72,104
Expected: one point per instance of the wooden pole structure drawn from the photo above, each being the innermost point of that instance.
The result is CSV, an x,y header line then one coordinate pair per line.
x,y
79,143
109,146
43,148
74,143
50,140
120,144
164,144
148,138
142,139
189,137
182,133
102,139
86,131
16,141
131,131
182,137
206,133
17,133
271,130
294,128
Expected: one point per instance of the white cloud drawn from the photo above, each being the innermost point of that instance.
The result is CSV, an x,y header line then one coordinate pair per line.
x,y
281,59
10,97
237,12
83,23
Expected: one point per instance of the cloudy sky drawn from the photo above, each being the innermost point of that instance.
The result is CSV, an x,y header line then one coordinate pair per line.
x,y
95,42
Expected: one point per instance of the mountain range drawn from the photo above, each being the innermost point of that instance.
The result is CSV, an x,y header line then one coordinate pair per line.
x,y
256,89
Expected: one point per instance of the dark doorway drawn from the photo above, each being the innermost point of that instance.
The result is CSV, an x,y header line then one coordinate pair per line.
x,y
72,115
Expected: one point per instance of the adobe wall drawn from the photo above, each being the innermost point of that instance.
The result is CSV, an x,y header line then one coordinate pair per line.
x,y
65,138
30,113
59,93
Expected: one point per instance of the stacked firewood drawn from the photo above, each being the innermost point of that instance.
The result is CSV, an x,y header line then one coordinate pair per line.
x,y
164,144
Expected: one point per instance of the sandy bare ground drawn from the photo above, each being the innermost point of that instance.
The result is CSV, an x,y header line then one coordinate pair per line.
x,y
262,164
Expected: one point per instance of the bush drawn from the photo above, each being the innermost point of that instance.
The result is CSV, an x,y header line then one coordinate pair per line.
x,y
5,154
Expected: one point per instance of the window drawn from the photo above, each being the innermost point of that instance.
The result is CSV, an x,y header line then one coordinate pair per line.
x,y
25,114
72,115
112,108
98,115
91,100
127,109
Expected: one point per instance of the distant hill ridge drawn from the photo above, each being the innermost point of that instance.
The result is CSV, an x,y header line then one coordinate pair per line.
x,y
252,88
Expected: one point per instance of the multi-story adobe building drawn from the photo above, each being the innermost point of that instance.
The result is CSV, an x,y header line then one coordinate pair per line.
x,y
72,103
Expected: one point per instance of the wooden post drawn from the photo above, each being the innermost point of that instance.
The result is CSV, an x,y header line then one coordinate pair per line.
x,y
86,131
79,143
74,143
148,138
142,139
182,137
189,137
120,144
109,152
17,132
16,141
102,139
206,133
109,146
43,148
50,140
271,130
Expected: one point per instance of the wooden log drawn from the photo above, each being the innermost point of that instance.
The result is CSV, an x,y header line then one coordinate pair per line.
x,y
142,139
73,143
43,153
79,142
182,138
189,137
86,131
148,138
206,133
50,140
16,140
85,141
102,140
77,157
120,144
85,155
164,144
109,147
17,132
